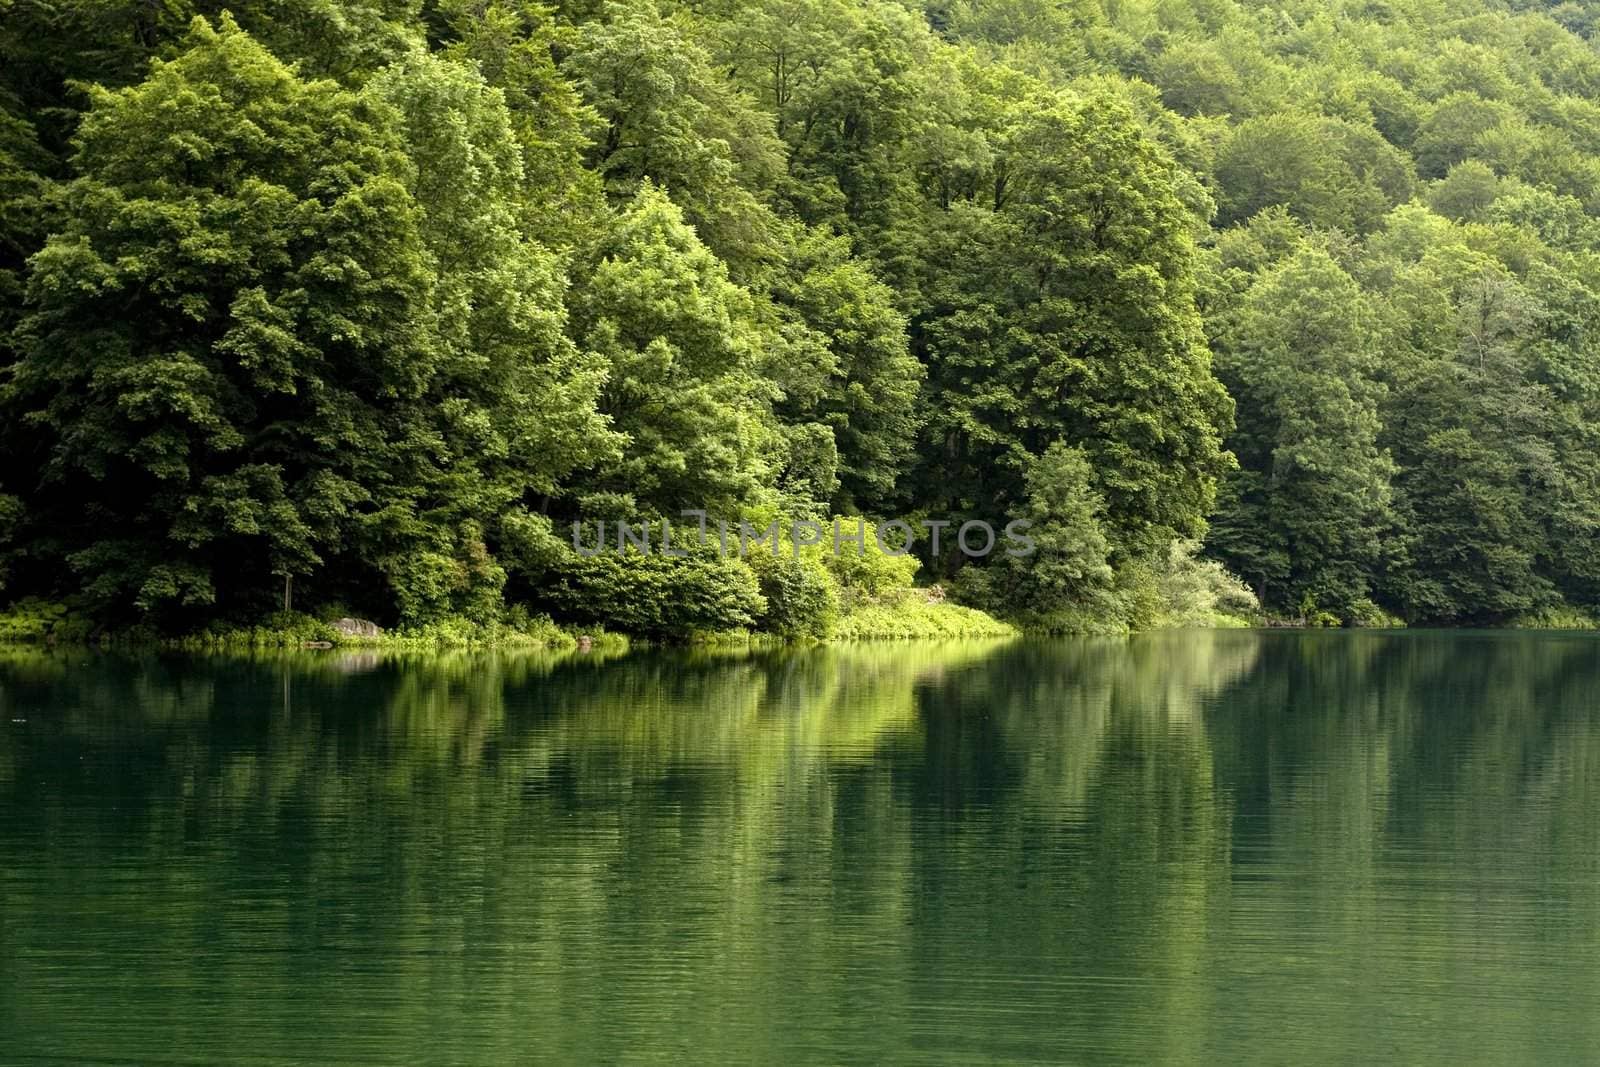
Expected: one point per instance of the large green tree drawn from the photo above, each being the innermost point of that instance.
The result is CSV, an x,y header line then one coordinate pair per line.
x,y
682,346
1068,314
515,400
1304,515
668,117
860,383
234,334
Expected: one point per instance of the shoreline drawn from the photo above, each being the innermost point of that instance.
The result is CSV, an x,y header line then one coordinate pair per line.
x,y
53,625
49,624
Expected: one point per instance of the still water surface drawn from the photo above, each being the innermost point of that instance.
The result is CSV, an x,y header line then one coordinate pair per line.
x,y
1186,847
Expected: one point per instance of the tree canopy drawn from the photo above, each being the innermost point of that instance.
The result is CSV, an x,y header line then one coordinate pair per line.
x,y
373,301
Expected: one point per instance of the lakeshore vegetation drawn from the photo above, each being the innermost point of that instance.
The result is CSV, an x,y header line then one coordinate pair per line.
x,y
314,308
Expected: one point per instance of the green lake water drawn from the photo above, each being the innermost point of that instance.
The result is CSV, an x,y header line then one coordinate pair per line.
x,y
1186,847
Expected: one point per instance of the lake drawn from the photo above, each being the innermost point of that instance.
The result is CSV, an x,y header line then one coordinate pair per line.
x,y
1230,846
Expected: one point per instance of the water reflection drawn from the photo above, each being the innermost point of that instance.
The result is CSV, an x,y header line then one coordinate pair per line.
x,y
1182,846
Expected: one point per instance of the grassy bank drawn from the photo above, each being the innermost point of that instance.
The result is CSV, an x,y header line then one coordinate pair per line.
x,y
36,621
909,615
915,616
898,615
1557,618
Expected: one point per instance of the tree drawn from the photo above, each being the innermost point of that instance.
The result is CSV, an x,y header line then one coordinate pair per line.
x,y
1472,430
866,394
1452,131
1304,515
24,167
1467,192
682,346
233,336
514,44
670,119
515,399
1068,315
1327,172
854,90
1066,580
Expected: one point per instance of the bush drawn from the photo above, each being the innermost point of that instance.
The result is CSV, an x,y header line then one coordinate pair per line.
x,y
984,591
1136,597
868,572
518,629
802,601
656,595
912,615
1365,613
36,620
1201,592
454,576
287,629
1560,617
973,587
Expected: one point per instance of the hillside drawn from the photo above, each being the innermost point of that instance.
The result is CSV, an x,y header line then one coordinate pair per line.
x,y
363,306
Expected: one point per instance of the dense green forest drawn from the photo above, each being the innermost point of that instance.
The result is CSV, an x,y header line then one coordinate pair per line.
x,y
363,305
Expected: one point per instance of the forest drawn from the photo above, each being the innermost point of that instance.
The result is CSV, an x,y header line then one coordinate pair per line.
x,y
1284,311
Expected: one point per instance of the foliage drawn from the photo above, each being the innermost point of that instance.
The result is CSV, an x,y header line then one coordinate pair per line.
x,y
657,595
1306,509
914,616
11,518
1067,572
680,343
1556,618
867,389
33,619
1200,592
1367,614
230,346
865,567
324,302
1068,316
802,598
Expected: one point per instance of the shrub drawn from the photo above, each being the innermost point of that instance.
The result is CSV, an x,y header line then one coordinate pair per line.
x,y
34,619
655,595
1136,595
973,587
281,629
1201,592
912,616
1367,614
454,575
865,572
802,600
1559,617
